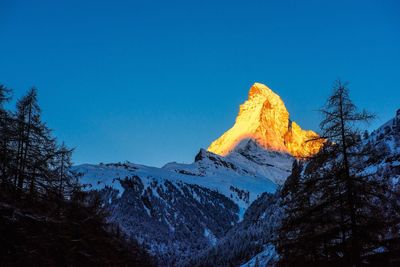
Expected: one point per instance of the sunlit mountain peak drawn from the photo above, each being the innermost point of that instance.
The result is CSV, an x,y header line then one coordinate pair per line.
x,y
265,119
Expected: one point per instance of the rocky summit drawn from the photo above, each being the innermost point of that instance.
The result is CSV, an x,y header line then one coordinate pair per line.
x,y
265,119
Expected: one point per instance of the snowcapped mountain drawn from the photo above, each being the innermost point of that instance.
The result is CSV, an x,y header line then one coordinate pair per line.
x,y
225,205
262,145
265,119
181,209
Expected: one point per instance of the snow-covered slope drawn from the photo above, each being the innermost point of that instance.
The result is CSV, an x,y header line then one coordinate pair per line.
x,y
249,163
242,176
181,209
385,142
266,257
249,242
172,219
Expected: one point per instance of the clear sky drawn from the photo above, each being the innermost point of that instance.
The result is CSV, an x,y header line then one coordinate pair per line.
x,y
154,81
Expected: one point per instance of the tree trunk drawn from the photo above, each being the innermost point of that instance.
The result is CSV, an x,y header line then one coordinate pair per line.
x,y
354,253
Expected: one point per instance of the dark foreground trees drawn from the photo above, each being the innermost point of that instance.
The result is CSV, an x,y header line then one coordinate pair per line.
x,y
45,218
337,213
31,161
34,234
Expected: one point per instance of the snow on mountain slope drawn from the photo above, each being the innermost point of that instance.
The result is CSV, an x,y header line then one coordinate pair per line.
x,y
242,176
248,242
385,141
181,209
172,219
247,160
265,258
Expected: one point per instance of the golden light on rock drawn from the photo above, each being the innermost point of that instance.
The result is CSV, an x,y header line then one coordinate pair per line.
x,y
265,119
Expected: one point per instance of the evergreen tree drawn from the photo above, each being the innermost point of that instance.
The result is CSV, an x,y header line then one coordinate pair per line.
x,y
5,135
41,160
40,166
65,180
28,119
336,214
366,135
36,187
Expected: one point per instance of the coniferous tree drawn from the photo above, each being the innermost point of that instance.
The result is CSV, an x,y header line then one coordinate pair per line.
x,y
349,212
40,165
294,201
65,180
28,118
36,187
5,135
366,135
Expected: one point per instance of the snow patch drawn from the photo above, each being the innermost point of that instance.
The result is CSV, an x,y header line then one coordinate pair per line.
x,y
210,236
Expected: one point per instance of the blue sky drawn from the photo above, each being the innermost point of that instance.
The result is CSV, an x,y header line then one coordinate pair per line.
x,y
153,81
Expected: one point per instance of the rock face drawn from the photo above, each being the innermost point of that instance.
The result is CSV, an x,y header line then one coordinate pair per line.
x,y
265,119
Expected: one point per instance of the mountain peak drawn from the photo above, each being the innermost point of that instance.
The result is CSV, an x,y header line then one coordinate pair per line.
x,y
265,119
259,89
